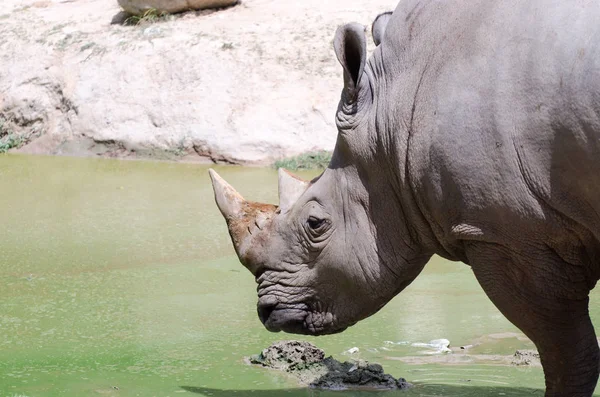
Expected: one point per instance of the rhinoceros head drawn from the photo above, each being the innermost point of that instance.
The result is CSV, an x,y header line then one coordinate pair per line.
x,y
336,249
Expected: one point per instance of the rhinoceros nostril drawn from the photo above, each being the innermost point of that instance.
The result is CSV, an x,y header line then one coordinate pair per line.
x,y
258,272
264,311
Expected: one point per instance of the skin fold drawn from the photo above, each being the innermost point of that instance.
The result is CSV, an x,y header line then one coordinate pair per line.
x,y
471,132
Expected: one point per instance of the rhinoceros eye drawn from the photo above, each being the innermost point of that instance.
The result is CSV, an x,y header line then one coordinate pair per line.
x,y
315,223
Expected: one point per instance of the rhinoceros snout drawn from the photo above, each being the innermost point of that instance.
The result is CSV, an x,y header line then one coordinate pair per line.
x,y
264,312
277,316
286,320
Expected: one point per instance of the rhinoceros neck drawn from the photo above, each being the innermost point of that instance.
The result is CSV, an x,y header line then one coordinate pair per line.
x,y
399,160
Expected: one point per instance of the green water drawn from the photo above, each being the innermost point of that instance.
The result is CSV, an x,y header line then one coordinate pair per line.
x,y
117,278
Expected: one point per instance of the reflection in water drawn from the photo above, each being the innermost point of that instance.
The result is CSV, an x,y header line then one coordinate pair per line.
x,y
120,274
419,390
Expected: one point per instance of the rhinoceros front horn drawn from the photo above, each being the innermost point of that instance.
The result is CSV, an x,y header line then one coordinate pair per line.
x,y
229,201
235,211
245,220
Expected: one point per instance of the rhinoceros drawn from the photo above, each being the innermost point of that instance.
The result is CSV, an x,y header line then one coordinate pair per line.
x,y
471,132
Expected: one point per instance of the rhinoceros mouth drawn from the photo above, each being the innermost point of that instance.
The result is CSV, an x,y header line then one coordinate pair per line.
x,y
278,316
292,309
283,319
296,319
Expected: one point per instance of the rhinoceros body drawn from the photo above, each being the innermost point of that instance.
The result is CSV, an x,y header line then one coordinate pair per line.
x,y
471,132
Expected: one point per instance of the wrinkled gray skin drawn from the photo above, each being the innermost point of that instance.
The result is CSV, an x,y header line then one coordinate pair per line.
x,y
472,132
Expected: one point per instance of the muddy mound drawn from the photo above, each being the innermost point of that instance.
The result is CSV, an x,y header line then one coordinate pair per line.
x,y
526,357
289,356
308,364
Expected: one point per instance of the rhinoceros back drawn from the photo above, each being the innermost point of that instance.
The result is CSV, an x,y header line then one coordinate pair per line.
x,y
503,99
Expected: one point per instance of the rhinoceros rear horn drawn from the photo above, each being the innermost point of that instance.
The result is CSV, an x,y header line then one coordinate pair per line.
x,y
350,45
290,189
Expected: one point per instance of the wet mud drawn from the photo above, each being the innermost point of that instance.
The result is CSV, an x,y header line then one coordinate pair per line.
x,y
308,364
526,357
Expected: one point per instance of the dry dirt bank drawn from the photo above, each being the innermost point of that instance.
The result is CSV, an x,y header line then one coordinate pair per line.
x,y
247,84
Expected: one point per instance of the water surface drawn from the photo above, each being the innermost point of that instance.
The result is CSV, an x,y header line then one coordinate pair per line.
x,y
117,278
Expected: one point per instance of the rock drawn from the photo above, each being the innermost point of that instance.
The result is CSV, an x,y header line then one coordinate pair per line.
x,y
362,375
139,7
308,365
526,357
352,350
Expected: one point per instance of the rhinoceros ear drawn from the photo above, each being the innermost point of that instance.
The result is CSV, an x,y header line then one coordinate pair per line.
x,y
379,25
290,189
350,45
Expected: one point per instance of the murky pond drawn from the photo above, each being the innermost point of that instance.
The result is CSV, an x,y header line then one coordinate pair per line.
x,y
118,278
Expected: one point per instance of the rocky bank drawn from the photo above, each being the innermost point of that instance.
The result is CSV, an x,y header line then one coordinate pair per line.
x,y
246,84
